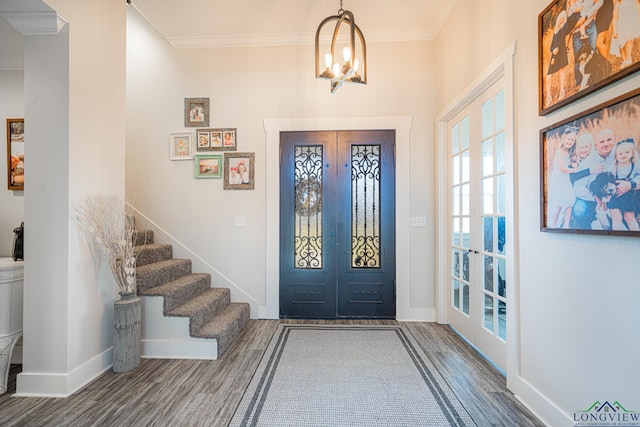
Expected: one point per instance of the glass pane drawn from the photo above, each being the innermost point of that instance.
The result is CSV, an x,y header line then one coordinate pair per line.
x,y
455,200
487,118
465,167
488,313
455,264
500,154
502,195
502,320
487,225
501,235
456,294
488,273
465,233
455,169
465,200
455,138
487,196
365,206
464,134
465,266
502,282
465,299
307,207
487,157
500,110
456,232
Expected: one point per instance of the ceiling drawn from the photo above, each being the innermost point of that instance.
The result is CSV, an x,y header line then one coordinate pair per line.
x,y
218,23
193,23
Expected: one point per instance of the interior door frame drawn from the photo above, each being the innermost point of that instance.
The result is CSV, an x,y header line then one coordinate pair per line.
x,y
502,66
402,125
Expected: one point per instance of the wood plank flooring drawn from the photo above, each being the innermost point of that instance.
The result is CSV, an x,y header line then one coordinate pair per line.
x,y
206,393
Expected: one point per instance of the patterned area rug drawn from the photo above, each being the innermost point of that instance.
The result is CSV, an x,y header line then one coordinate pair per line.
x,y
347,375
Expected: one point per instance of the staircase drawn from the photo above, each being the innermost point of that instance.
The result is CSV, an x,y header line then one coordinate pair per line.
x,y
210,313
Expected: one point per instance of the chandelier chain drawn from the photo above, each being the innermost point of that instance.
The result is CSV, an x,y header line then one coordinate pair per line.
x,y
341,10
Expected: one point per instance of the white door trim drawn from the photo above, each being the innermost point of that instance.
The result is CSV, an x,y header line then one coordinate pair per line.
x,y
402,126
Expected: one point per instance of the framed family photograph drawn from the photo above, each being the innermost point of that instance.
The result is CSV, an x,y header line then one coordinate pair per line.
x,y
15,154
590,170
196,112
181,146
208,165
584,45
239,171
216,139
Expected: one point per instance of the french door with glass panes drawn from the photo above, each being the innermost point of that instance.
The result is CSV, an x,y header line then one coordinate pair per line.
x,y
477,297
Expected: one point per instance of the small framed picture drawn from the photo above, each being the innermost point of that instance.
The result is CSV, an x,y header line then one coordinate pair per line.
x,y
196,112
216,140
208,165
204,139
15,154
239,171
229,139
181,146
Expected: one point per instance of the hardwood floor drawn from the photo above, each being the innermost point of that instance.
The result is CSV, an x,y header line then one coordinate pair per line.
x,y
206,393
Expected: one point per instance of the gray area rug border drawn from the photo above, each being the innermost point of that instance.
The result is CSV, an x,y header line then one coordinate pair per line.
x,y
279,341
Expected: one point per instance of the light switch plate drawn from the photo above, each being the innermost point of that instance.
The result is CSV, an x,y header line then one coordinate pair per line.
x,y
418,221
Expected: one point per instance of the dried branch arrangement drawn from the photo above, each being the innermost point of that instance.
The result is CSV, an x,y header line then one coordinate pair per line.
x,y
109,222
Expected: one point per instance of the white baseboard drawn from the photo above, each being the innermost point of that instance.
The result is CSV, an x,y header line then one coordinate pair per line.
x,y
205,349
415,314
542,407
36,384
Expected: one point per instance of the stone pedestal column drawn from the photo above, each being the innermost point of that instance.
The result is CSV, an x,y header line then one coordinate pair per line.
x,y
127,332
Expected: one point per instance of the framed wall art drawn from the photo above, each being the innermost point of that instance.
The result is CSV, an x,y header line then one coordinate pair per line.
x,y
208,165
584,46
196,112
15,154
181,146
216,139
239,171
590,170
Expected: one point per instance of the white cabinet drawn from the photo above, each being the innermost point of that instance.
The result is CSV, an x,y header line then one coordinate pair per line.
x,y
11,290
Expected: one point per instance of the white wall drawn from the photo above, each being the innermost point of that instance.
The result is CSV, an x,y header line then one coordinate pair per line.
x,y
245,87
578,307
12,202
75,110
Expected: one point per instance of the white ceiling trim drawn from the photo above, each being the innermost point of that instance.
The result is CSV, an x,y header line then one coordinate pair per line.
x,y
35,23
261,40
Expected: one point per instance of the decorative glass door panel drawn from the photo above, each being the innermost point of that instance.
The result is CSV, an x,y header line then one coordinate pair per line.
x,y
337,228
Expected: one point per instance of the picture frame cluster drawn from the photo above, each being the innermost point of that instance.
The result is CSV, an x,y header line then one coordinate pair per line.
x,y
204,145
590,161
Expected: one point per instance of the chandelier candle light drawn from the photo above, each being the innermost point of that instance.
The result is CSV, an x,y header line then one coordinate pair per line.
x,y
354,52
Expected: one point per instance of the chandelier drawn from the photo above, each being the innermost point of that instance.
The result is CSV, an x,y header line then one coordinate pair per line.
x,y
354,52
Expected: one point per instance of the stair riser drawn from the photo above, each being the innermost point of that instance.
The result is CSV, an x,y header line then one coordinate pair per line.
x,y
202,317
148,278
141,237
150,255
176,300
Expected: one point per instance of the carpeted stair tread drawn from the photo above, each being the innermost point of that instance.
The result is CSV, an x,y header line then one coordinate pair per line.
x,y
152,252
179,291
159,273
201,309
225,326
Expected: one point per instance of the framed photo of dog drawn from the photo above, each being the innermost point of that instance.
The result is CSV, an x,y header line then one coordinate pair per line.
x,y
590,170
584,45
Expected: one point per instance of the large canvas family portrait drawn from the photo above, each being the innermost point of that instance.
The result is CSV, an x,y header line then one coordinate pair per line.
x,y
585,45
590,170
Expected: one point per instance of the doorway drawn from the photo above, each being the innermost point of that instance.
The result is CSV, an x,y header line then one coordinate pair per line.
x,y
337,224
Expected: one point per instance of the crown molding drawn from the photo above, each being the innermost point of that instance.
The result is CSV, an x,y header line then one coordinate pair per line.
x,y
261,40
35,23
